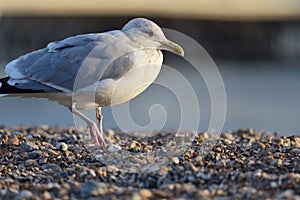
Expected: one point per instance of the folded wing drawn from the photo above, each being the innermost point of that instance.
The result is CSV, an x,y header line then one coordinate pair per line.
x,y
60,64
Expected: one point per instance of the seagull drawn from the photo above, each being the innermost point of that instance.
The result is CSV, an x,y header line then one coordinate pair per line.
x,y
90,71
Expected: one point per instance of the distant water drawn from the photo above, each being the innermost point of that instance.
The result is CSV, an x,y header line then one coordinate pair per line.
x,y
265,96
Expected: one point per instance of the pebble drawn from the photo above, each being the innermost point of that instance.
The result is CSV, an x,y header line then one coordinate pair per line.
x,y
175,160
136,145
296,151
273,184
145,193
62,146
203,176
136,196
28,146
277,162
204,194
24,194
258,173
14,140
31,162
34,154
94,188
47,195
287,194
52,168
114,148
92,173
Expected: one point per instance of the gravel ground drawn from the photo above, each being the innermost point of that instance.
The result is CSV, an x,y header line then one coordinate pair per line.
x,y
56,163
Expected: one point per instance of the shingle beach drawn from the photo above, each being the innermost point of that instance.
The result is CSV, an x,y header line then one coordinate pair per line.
x,y
55,163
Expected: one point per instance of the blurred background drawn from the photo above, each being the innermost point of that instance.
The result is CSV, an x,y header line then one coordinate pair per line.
x,y
254,43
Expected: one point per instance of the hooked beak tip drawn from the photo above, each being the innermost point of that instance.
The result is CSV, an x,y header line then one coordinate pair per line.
x,y
172,47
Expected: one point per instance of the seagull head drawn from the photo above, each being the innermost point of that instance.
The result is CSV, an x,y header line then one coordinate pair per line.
x,y
150,35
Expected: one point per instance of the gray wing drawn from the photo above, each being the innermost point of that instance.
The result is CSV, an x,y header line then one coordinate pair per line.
x,y
57,66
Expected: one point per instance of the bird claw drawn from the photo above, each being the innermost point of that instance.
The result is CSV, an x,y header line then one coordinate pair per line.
x,y
96,135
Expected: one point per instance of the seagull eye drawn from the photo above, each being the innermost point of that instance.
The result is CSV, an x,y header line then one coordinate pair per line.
x,y
148,32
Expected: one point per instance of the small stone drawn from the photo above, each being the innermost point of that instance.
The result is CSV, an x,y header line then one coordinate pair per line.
x,y
193,167
191,179
52,168
258,173
135,145
3,192
14,190
93,188
62,146
34,154
159,142
296,151
136,196
24,194
221,192
279,163
188,154
14,140
63,192
296,142
276,162
152,182
114,148
148,148
47,195
287,194
51,186
227,142
164,170
92,173
150,158
175,160
271,149
145,193
28,146
203,176
223,162
248,190
204,193
273,184
163,194
45,127
218,149
31,162
43,160
200,160
258,145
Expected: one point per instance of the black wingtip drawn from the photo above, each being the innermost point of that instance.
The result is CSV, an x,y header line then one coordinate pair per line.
x,y
5,88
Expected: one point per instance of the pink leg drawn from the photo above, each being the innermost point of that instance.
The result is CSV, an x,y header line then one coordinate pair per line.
x,y
99,117
95,132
